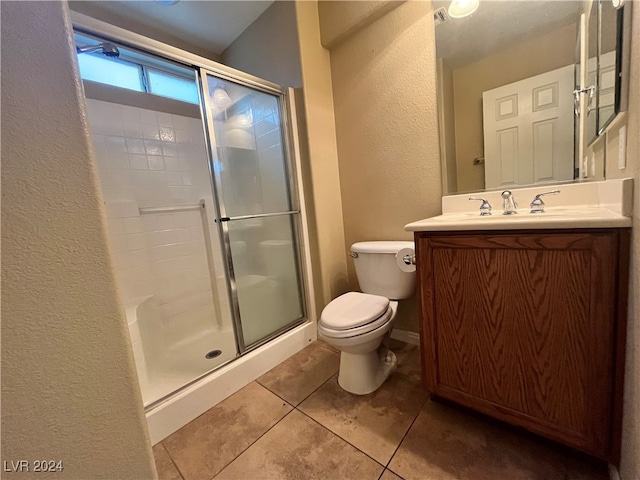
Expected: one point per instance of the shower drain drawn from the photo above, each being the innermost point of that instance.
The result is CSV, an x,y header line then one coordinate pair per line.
x,y
213,354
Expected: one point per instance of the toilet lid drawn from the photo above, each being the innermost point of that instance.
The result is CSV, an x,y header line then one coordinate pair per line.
x,y
353,310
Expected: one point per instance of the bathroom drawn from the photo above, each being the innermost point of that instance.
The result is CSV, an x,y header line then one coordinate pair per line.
x,y
356,128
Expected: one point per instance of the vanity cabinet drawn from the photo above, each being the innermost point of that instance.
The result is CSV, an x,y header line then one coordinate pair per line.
x,y
529,327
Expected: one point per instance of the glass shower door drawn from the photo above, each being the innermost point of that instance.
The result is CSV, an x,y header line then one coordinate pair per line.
x,y
257,214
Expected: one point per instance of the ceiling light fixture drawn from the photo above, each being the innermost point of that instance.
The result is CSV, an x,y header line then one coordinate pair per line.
x,y
221,98
245,119
463,8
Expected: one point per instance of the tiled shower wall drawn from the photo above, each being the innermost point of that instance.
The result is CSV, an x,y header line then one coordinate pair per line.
x,y
155,159
269,148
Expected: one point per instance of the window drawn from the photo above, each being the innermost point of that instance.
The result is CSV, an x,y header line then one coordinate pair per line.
x,y
139,72
104,70
172,86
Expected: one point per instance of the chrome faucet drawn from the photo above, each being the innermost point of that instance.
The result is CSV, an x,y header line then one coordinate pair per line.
x,y
509,204
485,207
537,205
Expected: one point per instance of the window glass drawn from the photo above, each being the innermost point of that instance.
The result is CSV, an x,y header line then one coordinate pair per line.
x,y
104,70
172,86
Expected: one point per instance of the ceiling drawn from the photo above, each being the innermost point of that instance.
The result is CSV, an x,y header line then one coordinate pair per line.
x,y
497,25
210,25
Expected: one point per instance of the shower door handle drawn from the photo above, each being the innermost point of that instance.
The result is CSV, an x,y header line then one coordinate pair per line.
x,y
258,215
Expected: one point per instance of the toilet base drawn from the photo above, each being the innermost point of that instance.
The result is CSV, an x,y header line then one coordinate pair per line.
x,y
363,373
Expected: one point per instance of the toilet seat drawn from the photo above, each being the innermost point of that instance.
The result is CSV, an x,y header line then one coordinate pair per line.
x,y
354,314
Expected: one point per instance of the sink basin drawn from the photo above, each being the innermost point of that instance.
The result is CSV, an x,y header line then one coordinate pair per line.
x,y
554,218
605,204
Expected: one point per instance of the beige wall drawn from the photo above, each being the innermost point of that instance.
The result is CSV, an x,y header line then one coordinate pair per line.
x,y
268,48
384,87
447,128
322,181
69,388
340,19
630,468
554,50
95,10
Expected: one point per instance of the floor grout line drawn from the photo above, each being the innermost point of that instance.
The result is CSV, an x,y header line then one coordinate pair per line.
x,y
253,443
293,407
275,393
296,407
170,458
318,388
341,438
405,434
347,441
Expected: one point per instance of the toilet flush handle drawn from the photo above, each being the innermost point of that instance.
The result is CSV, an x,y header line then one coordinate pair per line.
x,y
409,259
353,254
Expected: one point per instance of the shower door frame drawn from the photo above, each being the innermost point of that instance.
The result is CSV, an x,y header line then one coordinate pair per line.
x,y
223,219
88,25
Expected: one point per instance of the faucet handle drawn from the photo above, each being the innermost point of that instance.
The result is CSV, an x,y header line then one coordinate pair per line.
x,y
509,204
537,205
485,207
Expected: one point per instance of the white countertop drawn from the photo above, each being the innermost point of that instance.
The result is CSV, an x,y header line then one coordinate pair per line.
x,y
604,204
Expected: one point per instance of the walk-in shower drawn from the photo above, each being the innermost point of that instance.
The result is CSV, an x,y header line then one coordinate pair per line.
x,y
203,208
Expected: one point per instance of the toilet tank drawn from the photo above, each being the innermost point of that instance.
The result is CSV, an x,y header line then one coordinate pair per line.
x,y
377,270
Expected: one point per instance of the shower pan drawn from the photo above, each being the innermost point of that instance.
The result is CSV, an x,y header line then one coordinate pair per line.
x,y
206,220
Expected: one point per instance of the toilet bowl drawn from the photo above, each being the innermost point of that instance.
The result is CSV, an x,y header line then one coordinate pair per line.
x,y
358,324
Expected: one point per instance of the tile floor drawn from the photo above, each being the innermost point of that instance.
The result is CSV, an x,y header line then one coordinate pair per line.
x,y
296,423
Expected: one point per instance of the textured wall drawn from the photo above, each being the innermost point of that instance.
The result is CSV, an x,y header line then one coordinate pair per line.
x,y
69,389
384,85
322,174
340,19
630,468
268,48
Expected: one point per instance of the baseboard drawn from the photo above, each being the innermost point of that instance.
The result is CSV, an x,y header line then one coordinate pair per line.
x,y
406,336
613,473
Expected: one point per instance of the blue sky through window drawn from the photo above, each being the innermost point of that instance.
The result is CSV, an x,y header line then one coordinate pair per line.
x,y
140,72
172,86
112,72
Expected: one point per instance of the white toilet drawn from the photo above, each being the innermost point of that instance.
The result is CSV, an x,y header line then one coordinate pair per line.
x,y
357,323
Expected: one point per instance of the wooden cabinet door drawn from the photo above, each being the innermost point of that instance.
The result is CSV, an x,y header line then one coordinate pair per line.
x,y
522,327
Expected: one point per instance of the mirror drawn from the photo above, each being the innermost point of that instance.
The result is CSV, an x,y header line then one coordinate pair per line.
x,y
505,91
589,88
510,53
609,82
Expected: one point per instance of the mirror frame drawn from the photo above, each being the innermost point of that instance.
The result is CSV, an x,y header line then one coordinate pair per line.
x,y
623,47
